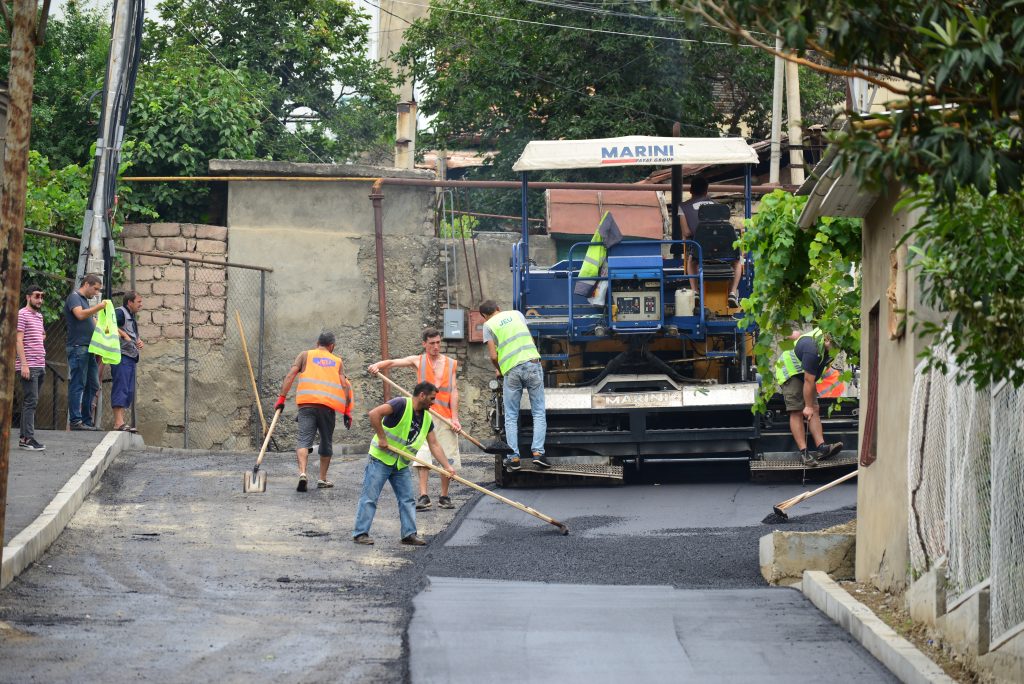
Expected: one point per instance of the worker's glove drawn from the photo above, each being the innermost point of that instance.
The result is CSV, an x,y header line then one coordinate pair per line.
x,y
279,406
348,421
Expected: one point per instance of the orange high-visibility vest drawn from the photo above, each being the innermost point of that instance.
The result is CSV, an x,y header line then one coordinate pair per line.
x,y
830,386
319,383
445,383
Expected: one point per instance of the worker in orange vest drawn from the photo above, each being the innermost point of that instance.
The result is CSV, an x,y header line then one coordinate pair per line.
x,y
439,370
322,391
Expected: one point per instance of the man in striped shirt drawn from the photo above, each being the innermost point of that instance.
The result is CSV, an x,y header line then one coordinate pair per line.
x,y
30,364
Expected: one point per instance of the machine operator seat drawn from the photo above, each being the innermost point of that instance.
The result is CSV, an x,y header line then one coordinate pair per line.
x,y
716,235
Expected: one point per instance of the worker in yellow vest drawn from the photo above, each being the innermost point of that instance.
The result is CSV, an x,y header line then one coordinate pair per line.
x,y
797,371
434,367
399,424
517,361
322,391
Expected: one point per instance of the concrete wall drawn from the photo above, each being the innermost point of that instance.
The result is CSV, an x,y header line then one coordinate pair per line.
x,y
319,239
882,500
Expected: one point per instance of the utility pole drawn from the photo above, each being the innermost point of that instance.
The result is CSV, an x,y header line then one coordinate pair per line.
x,y
776,148
796,136
25,34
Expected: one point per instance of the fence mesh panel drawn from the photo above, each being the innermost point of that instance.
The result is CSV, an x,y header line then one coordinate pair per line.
x,y
926,469
968,487
1007,592
222,302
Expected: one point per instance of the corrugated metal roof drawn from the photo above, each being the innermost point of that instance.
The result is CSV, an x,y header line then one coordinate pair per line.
x,y
578,212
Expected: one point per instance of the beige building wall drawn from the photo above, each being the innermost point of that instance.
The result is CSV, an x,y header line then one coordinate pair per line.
x,y
392,20
882,496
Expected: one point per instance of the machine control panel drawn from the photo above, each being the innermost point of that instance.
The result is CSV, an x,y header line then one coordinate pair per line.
x,y
637,305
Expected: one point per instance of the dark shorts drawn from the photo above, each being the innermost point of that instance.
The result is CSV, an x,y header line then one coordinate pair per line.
x,y
314,419
793,393
122,388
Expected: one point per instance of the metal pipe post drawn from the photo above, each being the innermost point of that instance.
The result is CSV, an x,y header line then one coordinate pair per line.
x,y
377,199
188,305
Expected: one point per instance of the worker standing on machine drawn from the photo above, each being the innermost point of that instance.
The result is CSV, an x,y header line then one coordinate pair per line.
x,y
517,361
797,371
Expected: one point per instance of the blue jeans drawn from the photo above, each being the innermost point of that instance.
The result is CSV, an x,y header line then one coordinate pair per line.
x,y
83,383
374,477
528,376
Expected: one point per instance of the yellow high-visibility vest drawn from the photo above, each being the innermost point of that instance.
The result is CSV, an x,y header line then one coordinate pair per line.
x,y
105,341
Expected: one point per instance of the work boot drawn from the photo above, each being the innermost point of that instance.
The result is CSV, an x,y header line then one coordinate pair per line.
x,y
828,450
807,458
423,503
363,539
413,540
512,463
302,483
540,461
445,502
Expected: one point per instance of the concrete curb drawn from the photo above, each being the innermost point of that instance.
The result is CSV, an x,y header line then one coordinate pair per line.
x,y
880,640
33,541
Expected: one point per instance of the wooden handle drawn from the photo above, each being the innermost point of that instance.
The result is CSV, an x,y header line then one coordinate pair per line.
x,y
270,433
807,495
255,390
473,485
432,411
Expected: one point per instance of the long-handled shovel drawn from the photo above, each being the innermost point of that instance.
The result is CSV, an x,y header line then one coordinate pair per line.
x,y
499,450
780,508
514,504
255,480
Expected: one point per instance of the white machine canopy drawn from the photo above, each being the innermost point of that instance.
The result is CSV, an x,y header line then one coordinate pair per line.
x,y
633,150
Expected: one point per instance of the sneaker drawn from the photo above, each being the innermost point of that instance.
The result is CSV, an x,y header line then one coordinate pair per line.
x,y
807,459
363,539
413,540
734,300
30,445
90,428
445,502
829,450
512,463
423,503
79,425
324,484
539,460
302,483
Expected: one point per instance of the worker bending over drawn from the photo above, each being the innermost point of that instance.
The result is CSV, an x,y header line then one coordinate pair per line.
x,y
434,367
323,390
398,424
797,371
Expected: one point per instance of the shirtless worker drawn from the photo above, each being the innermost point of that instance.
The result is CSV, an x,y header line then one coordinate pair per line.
x,y
323,390
439,370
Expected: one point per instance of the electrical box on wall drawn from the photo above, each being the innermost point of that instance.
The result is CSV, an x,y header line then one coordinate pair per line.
x,y
476,330
454,324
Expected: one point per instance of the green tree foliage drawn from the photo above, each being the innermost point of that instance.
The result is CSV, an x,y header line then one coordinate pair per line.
x,y
955,140
971,259
55,203
804,278
187,111
498,83
306,58
69,75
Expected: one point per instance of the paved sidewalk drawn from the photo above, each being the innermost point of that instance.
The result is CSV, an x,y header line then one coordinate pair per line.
x,y
35,477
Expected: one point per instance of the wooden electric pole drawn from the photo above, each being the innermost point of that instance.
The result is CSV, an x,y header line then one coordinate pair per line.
x,y
25,24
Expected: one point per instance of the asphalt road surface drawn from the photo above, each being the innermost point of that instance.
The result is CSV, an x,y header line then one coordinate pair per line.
x,y
169,572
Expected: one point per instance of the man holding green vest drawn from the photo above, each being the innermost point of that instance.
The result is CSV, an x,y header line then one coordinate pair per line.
x,y
404,424
83,371
517,361
797,371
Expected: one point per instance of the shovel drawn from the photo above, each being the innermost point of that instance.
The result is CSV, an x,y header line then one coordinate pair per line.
x,y
472,485
501,450
255,480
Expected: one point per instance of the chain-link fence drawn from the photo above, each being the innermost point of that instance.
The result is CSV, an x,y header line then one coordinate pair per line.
x,y
1006,608
966,491
193,382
